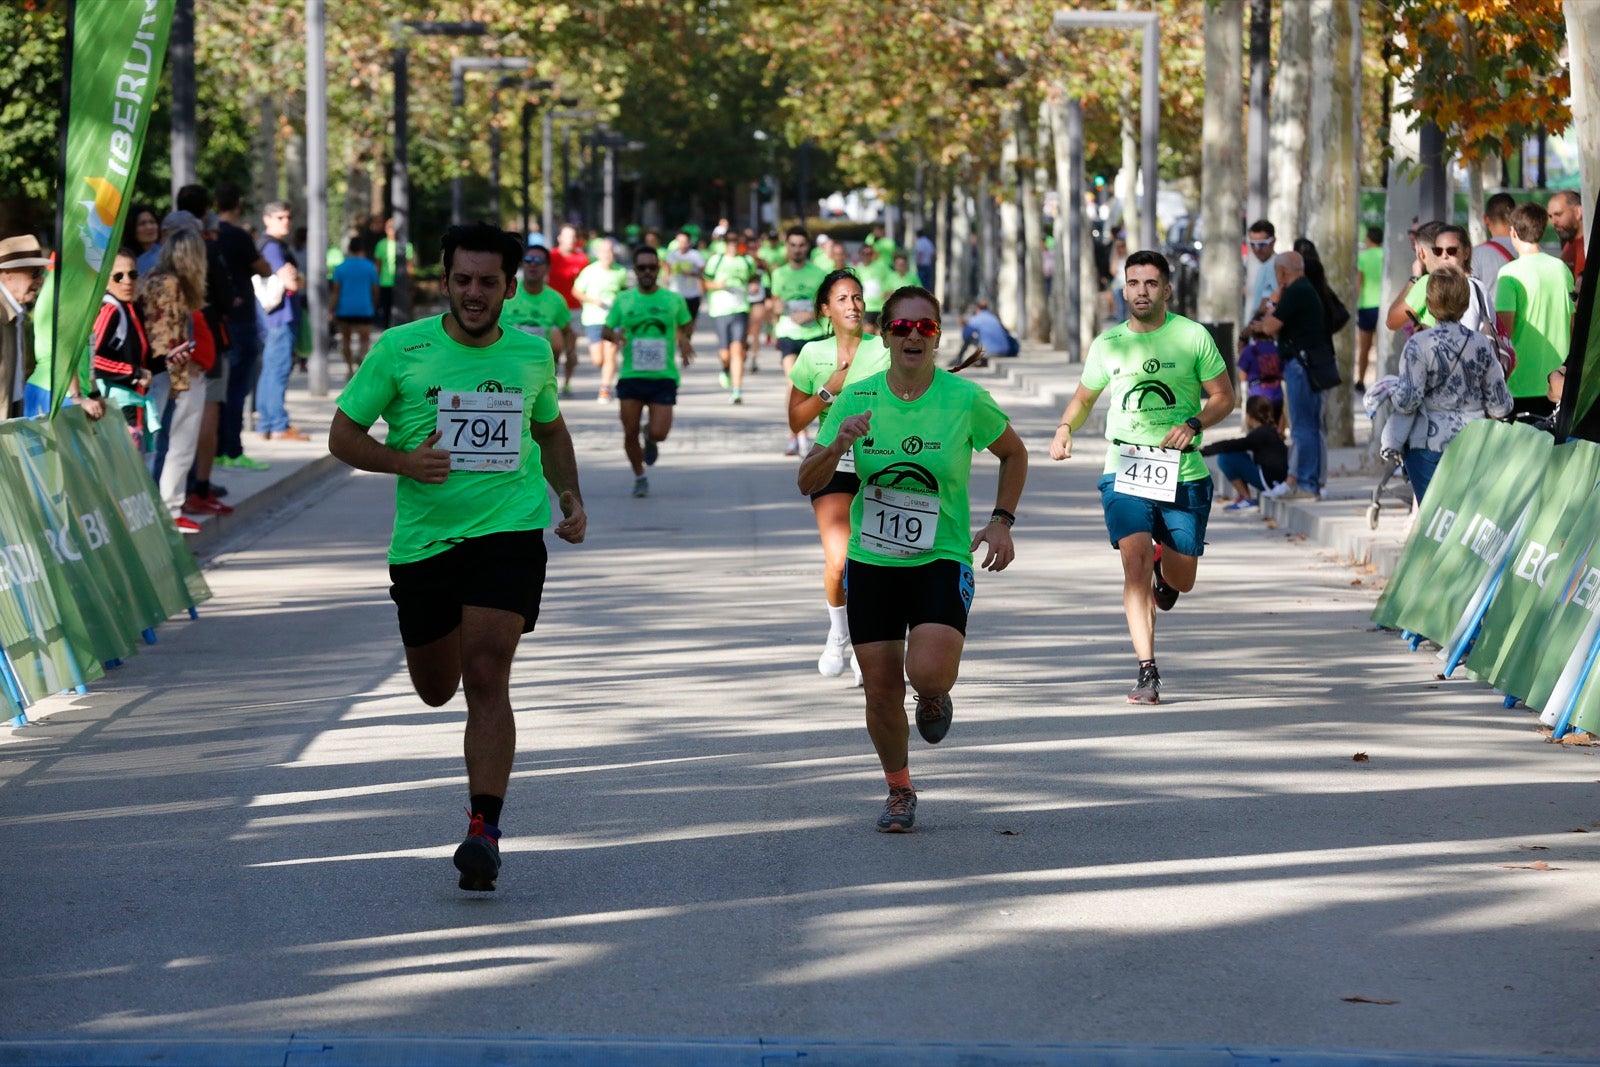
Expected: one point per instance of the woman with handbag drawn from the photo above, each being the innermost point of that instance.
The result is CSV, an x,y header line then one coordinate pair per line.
x,y
1298,320
1449,375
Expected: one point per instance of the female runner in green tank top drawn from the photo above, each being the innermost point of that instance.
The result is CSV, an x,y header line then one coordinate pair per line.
x,y
820,372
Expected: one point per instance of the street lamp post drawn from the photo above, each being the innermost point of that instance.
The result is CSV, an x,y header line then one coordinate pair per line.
x,y
459,67
316,270
400,185
550,117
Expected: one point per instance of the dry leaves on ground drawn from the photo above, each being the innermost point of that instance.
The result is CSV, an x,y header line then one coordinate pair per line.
x,y
1536,865
1579,738
1361,757
1008,833
1367,1000
1534,848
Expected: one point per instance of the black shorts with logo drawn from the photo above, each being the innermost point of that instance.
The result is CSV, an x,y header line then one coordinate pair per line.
x,y
499,570
884,603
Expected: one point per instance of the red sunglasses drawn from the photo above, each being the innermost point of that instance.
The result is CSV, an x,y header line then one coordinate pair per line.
x,y
903,327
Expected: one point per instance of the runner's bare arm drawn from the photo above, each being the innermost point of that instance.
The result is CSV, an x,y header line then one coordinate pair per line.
x,y
561,471
818,467
1218,406
350,443
1073,418
686,343
996,536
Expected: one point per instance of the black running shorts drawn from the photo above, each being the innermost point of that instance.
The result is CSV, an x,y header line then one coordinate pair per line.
x,y
884,603
500,570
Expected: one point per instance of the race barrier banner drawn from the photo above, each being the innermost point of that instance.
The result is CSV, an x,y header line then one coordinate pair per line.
x,y
88,559
1502,568
118,47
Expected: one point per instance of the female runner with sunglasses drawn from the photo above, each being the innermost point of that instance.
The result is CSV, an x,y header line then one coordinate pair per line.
x,y
820,373
912,430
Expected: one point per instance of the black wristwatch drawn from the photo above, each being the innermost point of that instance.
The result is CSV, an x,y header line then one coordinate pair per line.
x,y
1194,424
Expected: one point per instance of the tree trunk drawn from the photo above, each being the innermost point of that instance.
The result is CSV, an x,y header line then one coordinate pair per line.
x,y
1334,181
1008,302
1260,101
1401,208
1088,288
1067,141
941,242
1291,102
265,186
1127,186
1034,323
1583,48
1476,171
989,240
1221,269
960,251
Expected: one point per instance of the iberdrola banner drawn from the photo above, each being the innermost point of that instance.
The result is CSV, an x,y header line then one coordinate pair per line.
x,y
118,47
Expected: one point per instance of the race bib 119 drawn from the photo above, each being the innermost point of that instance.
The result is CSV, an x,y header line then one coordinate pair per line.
x,y
898,523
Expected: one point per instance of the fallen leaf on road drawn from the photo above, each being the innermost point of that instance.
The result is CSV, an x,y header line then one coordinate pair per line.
x,y
1536,865
1271,525
1361,757
1358,581
1008,833
1534,848
1367,1000
1578,830
1578,737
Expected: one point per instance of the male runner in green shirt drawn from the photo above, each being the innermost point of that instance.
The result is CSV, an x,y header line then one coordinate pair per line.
x,y
794,294
1168,383
478,442
650,325
539,310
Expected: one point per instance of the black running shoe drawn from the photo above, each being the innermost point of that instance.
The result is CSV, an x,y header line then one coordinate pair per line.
x,y
899,812
1165,595
478,857
933,717
1147,690
650,452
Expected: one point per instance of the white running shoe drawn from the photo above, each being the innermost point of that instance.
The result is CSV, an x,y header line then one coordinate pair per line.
x,y
835,654
860,681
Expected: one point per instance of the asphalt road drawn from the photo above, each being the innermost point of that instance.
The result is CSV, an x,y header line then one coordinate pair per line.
x,y
246,831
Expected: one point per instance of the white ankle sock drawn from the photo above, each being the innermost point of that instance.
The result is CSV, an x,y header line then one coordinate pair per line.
x,y
838,622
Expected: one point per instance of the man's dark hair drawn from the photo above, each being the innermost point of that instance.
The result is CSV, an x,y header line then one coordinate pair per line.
x,y
1498,208
1528,222
1156,260
1460,234
797,231
360,244
645,250
229,197
1428,232
1375,234
1263,226
482,237
195,199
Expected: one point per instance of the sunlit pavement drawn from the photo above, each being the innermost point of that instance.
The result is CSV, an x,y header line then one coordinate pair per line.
x,y
244,834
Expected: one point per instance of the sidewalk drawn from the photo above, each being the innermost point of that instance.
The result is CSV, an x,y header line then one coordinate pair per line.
x,y
1339,522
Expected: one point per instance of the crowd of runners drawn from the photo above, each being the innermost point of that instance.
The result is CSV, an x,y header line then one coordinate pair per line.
x,y
884,434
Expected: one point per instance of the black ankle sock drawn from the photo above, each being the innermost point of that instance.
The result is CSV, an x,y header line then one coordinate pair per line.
x,y
487,806
1146,663
202,489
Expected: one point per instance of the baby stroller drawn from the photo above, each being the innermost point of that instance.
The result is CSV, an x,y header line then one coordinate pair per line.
x,y
1391,430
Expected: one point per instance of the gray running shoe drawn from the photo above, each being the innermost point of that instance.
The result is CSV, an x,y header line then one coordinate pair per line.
x,y
933,717
1147,690
899,812
641,486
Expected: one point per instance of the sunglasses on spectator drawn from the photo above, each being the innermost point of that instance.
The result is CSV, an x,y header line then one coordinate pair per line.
x,y
904,327
1263,244
1447,250
131,275
534,259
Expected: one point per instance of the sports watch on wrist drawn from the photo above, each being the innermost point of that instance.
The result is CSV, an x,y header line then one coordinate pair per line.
x,y
1194,424
825,396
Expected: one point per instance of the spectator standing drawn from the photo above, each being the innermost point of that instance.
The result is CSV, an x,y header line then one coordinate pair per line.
x,y
1497,251
1118,260
22,266
277,344
1449,375
205,497
385,255
170,301
1260,240
1369,265
1256,462
145,226
927,254
1261,368
244,263
1533,300
354,299
1566,215
1298,321
120,348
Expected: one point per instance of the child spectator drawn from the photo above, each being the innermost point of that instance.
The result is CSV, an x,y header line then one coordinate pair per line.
x,y
1259,460
354,298
1262,369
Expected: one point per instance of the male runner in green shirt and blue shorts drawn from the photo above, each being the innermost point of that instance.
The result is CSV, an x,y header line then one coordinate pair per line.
x,y
478,442
1168,383
539,310
652,325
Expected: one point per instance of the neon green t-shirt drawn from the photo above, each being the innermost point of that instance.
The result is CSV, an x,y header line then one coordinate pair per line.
x,y
383,254
650,324
876,283
400,382
1152,381
1537,289
797,289
914,467
734,273
538,314
900,281
770,254
1417,301
603,284
1370,263
885,246
819,359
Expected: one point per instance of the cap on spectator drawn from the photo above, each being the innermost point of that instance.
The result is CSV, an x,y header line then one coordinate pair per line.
x,y
211,222
179,220
22,252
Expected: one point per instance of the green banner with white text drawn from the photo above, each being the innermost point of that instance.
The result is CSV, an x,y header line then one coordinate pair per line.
x,y
118,47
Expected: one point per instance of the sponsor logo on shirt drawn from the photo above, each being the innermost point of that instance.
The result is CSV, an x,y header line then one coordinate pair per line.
x,y
914,444
1149,395
912,476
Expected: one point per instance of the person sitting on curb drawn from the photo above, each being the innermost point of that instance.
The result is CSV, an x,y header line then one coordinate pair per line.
x,y
1258,461
984,329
